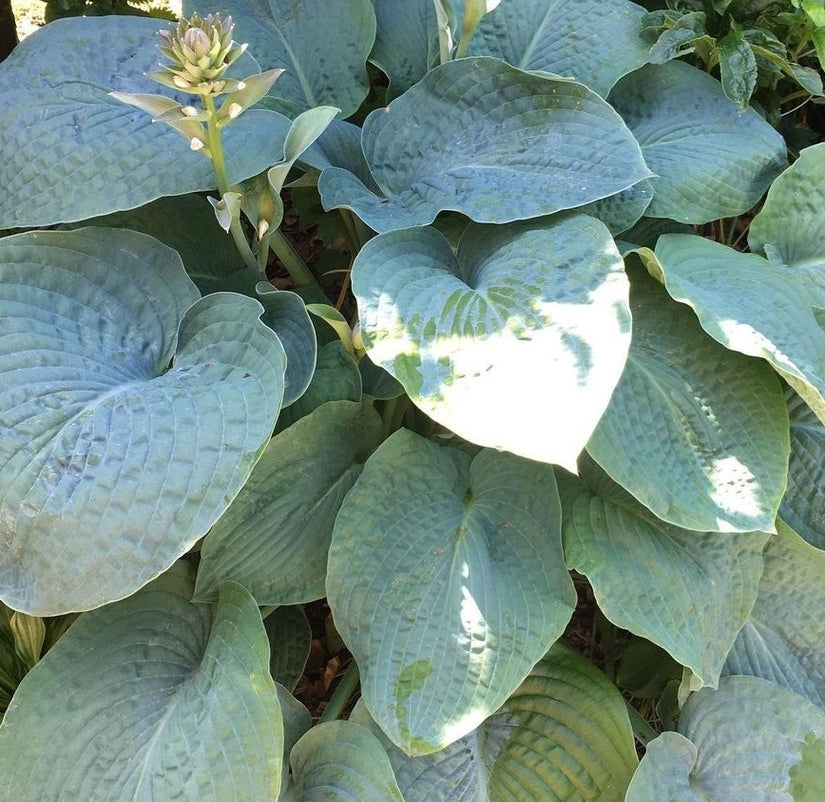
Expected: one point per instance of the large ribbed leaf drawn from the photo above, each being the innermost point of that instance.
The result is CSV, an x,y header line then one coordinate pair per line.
x,y
711,158
750,305
339,761
803,505
274,537
788,228
748,741
113,464
783,640
488,140
71,152
147,699
321,45
595,42
564,734
515,342
689,592
697,433
447,582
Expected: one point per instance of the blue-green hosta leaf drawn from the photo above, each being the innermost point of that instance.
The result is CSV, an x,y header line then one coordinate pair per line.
x,y
275,536
339,761
112,464
748,741
72,152
321,45
447,582
516,342
406,42
750,305
622,211
689,592
697,433
150,698
711,158
783,639
564,734
336,378
803,505
290,640
186,223
788,228
491,141
595,42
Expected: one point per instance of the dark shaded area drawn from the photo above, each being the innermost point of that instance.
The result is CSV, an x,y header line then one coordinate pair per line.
x,y
8,29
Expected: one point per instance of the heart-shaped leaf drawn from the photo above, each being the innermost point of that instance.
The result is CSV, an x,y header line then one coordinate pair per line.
x,y
798,195
72,152
446,581
322,47
689,592
149,698
697,433
748,741
750,305
515,342
275,536
803,505
495,143
112,464
594,42
563,734
711,158
782,639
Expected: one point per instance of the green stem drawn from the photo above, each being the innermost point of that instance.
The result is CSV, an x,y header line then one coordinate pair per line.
x,y
300,273
642,731
341,694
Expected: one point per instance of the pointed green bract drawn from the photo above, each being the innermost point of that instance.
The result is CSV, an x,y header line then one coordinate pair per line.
x,y
748,741
592,41
697,433
490,141
112,464
340,761
447,583
803,505
798,195
322,47
782,639
689,592
72,152
565,710
274,537
150,698
711,159
750,305
516,342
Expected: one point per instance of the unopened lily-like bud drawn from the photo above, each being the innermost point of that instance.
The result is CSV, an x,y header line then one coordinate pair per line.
x,y
199,52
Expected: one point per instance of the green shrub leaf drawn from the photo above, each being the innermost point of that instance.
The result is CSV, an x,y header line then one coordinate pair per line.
x,y
711,158
488,140
149,698
748,741
72,152
750,305
550,37
689,592
112,464
516,342
798,195
697,433
565,710
290,639
782,639
340,761
447,582
274,537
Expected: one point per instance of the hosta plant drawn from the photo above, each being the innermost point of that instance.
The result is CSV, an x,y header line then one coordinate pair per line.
x,y
539,403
